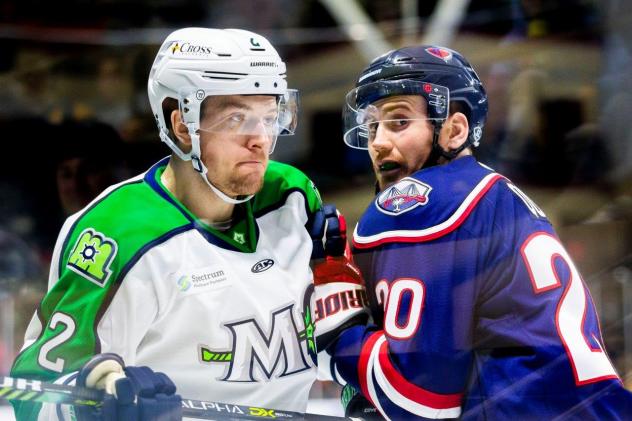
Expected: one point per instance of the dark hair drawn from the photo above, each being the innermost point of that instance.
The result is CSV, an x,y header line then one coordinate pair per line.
x,y
459,107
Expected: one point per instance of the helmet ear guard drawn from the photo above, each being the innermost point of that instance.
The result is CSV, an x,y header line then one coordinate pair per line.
x,y
190,104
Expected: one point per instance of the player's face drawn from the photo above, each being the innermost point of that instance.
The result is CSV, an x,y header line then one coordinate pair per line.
x,y
402,141
235,140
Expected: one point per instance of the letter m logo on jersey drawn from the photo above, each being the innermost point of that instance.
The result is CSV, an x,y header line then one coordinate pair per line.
x,y
257,355
91,256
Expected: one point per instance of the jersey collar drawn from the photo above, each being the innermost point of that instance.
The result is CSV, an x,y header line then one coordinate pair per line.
x,y
242,236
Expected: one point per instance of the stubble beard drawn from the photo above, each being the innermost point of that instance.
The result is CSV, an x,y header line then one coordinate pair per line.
x,y
384,181
241,182
245,185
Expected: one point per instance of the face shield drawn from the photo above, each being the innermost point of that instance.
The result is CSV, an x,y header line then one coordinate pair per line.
x,y
241,116
362,114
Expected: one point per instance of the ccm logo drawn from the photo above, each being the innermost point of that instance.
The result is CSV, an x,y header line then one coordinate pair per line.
x,y
262,265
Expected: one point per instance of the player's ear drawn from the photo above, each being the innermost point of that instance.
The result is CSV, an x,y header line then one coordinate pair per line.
x,y
180,130
457,130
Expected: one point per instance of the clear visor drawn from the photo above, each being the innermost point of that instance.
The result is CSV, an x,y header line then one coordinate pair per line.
x,y
365,108
246,115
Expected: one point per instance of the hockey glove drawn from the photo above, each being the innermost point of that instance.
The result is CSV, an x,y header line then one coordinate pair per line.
x,y
340,298
132,393
357,406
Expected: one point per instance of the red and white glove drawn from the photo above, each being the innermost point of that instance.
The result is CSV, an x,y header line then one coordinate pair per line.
x,y
340,300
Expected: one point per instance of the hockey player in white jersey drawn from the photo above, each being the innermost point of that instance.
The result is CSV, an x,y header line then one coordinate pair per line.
x,y
198,268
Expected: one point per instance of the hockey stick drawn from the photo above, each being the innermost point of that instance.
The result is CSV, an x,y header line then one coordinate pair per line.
x,y
37,391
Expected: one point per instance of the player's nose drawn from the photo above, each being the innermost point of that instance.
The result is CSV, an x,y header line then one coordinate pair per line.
x,y
382,141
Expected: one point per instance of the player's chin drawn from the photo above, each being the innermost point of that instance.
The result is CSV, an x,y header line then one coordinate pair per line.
x,y
386,180
249,184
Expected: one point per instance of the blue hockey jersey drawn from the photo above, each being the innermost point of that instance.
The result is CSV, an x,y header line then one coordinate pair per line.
x,y
479,311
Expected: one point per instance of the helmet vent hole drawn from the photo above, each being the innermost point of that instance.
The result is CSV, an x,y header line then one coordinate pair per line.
x,y
275,84
209,74
403,59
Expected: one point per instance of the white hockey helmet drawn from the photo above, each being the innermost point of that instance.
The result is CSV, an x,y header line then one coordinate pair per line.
x,y
194,63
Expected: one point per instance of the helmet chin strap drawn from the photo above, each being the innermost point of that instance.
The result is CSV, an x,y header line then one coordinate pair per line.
x,y
199,166
438,152
221,194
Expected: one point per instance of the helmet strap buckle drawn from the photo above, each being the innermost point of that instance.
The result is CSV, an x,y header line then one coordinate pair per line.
x,y
197,164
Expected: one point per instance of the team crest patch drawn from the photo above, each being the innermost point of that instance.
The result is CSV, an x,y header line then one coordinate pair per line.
x,y
405,195
239,237
92,255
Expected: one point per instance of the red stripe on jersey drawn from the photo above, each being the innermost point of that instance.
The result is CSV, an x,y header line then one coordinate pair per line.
x,y
363,362
436,234
412,391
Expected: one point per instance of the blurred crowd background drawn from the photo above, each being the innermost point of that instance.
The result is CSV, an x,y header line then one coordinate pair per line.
x,y
74,116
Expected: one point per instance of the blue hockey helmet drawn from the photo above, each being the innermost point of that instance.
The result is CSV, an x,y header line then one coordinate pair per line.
x,y
439,74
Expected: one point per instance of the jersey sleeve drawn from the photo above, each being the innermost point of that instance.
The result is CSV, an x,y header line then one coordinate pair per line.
x,y
537,334
411,365
94,303
280,181
62,335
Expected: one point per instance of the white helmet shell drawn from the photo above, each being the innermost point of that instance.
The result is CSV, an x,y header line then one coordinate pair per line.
x,y
204,61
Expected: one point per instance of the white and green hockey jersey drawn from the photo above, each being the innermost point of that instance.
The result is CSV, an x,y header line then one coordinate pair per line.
x,y
224,314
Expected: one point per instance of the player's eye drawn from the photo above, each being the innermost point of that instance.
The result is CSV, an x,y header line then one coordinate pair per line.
x,y
236,118
270,120
398,124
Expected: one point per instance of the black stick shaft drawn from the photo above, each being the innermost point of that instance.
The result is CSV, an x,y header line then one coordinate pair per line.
x,y
37,391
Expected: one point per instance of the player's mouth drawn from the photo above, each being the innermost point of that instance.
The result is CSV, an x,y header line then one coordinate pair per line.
x,y
251,163
388,172
388,166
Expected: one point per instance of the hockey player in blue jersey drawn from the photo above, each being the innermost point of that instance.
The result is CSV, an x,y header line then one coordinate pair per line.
x,y
478,311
